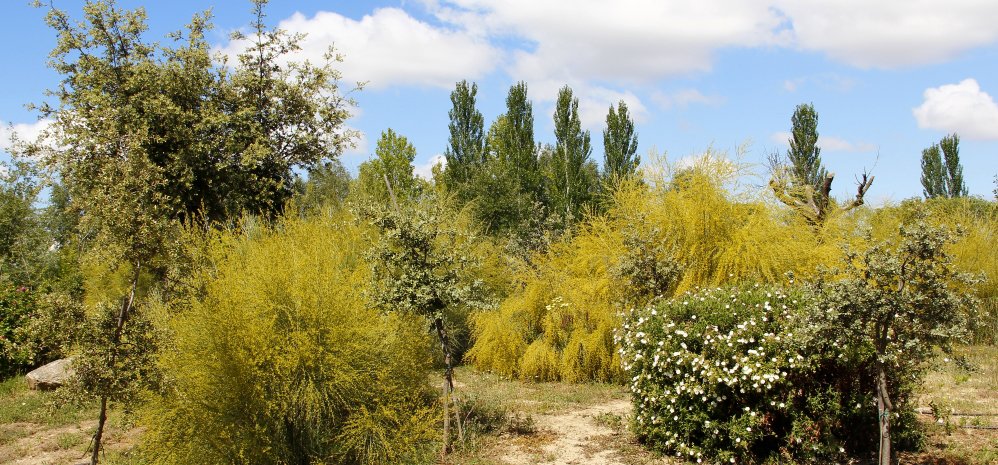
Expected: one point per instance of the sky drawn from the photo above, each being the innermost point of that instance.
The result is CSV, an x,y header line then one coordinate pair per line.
x,y
888,78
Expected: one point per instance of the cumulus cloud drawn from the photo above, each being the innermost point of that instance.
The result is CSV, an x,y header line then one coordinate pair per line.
x,y
962,108
425,170
684,98
828,143
890,33
390,47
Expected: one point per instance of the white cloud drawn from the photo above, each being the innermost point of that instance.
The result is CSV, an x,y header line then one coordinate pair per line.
x,y
828,143
425,170
684,98
628,40
891,33
26,132
962,108
594,102
389,47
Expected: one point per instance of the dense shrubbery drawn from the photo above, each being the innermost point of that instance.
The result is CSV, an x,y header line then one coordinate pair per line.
x,y
657,238
751,375
724,375
280,358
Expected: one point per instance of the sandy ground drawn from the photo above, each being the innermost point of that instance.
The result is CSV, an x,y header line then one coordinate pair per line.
x,y
572,438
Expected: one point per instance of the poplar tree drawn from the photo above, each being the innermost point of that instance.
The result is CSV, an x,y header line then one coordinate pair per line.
x,y
933,173
569,174
804,153
620,144
466,142
955,186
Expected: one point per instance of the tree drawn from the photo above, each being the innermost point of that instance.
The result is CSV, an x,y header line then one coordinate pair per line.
x,y
570,177
895,304
147,137
508,186
328,183
420,268
800,180
933,173
955,186
392,164
466,143
620,143
804,153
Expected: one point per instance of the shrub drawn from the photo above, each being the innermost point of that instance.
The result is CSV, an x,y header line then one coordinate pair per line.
x,y
727,375
17,303
279,358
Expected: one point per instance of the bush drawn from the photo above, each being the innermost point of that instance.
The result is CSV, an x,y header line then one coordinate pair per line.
x,y
17,304
279,358
730,375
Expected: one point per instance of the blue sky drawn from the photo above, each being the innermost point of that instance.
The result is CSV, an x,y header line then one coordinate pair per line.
x,y
888,78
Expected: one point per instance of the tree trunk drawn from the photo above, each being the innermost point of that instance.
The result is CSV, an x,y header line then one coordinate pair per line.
x,y
126,307
884,408
438,323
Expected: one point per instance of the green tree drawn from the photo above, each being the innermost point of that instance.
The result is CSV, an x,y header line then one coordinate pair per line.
x,y
507,188
328,183
421,267
466,143
393,165
933,173
955,186
620,144
570,176
895,304
147,137
804,153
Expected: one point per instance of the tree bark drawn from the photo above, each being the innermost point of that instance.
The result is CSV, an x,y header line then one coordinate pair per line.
x,y
438,323
884,408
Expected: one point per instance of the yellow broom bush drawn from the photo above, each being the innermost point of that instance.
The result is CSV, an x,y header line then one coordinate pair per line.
x,y
278,358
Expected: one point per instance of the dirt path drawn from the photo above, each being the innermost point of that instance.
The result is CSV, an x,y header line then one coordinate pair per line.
x,y
574,438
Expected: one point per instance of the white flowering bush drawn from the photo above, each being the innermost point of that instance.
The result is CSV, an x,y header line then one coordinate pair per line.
x,y
720,376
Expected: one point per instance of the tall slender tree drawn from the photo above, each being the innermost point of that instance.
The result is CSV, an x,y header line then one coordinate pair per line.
x,y
620,144
466,144
570,176
804,153
933,173
950,146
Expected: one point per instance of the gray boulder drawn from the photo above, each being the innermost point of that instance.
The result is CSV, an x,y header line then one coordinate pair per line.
x,y
50,376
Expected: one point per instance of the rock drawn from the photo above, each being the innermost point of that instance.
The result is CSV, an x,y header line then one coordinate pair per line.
x,y
50,376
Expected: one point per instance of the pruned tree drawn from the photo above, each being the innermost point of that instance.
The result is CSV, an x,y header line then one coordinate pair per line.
x,y
800,180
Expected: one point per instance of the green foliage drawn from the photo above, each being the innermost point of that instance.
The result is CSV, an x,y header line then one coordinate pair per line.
x,y
950,146
570,177
279,339
620,144
466,143
393,163
804,153
895,303
933,173
17,303
328,184
656,239
942,174
723,375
